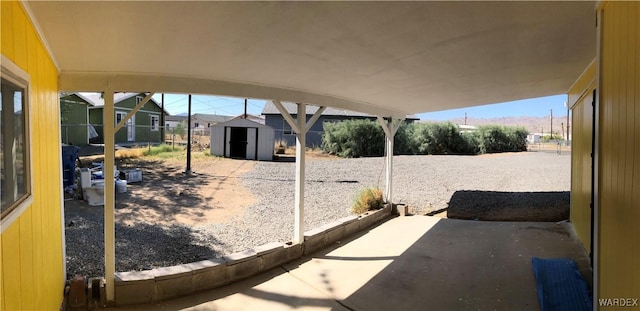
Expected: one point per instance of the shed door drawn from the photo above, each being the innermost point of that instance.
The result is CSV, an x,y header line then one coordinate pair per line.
x,y
227,143
238,142
252,143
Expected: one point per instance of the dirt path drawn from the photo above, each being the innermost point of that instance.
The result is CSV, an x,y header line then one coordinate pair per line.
x,y
212,193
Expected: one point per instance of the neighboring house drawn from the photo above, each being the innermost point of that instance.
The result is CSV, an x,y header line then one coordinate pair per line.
x,y
74,119
145,125
200,122
534,138
170,122
274,119
467,128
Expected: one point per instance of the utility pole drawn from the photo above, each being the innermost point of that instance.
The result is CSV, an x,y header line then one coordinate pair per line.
x,y
562,126
162,132
551,123
188,170
245,108
465,118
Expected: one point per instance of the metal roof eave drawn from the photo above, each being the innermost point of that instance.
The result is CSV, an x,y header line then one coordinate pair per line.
x,y
132,82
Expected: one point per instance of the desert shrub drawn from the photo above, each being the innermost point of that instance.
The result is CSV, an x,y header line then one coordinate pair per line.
x,y
518,138
180,130
496,138
367,199
353,138
470,143
440,138
402,143
360,138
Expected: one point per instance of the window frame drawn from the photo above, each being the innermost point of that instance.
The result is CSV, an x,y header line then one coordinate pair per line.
x,y
14,74
122,115
154,127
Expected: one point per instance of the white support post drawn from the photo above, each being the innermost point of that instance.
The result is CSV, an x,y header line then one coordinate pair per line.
x,y
301,127
389,129
109,195
133,111
298,234
389,190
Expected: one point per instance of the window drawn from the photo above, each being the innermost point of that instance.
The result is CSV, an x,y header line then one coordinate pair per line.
x,y
15,165
139,99
196,124
155,120
120,116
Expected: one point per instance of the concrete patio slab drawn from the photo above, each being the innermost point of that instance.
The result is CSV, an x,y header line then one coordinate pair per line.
x,y
406,263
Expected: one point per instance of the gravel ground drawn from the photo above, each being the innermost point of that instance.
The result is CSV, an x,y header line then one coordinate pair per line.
x,y
425,183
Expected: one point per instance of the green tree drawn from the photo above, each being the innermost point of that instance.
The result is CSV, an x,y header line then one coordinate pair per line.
x,y
179,130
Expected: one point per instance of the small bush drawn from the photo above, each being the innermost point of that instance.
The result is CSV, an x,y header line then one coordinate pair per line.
x,y
367,199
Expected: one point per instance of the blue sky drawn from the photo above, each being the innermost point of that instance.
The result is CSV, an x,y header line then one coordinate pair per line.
x,y
232,106
533,107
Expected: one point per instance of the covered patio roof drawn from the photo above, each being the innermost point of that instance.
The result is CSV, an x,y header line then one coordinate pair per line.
x,y
384,58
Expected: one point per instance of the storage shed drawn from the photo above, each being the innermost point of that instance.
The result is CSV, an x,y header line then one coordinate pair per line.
x,y
242,139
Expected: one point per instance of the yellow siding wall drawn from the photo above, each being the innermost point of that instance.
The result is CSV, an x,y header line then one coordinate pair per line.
x,y
619,151
585,83
32,275
581,168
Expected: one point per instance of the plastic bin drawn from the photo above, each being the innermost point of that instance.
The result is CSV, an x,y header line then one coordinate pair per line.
x,y
131,176
69,156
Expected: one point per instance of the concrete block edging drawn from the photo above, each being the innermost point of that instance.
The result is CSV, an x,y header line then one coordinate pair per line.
x,y
163,283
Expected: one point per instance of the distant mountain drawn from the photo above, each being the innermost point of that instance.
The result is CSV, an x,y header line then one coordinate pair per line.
x,y
532,124
184,114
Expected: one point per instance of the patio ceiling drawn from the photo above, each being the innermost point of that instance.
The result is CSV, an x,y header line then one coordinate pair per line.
x,y
389,58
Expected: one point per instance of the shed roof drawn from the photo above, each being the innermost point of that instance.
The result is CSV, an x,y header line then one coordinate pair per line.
x,y
251,117
240,122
